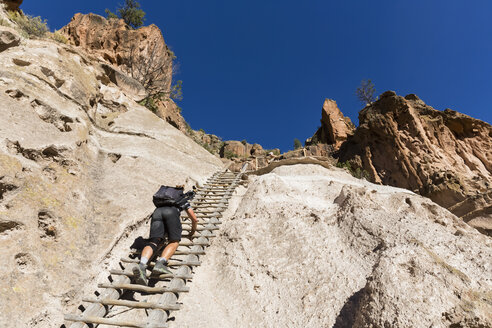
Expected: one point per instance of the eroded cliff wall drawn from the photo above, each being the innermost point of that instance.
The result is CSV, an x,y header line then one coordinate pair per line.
x,y
444,155
79,162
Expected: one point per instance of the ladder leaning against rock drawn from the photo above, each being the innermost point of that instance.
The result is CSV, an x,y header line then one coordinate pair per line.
x,y
209,203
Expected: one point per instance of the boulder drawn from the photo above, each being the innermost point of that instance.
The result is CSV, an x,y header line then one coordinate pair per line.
x,y
335,127
12,5
443,155
8,38
257,150
233,148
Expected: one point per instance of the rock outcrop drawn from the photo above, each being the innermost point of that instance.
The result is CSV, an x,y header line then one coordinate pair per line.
x,y
171,113
242,152
11,5
113,41
444,155
306,246
135,53
233,148
79,161
335,128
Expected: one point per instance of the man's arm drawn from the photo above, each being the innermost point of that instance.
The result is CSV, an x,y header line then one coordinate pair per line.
x,y
194,221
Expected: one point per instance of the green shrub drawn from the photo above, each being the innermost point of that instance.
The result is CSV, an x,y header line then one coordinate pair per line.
x,y
297,143
171,54
150,103
177,91
110,14
229,154
208,148
29,26
58,37
357,172
130,13
189,129
244,142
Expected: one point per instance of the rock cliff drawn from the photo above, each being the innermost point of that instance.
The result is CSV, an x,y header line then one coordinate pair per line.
x,y
335,128
113,41
444,155
306,246
79,161
141,54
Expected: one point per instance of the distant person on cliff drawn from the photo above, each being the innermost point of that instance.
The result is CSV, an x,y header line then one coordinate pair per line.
x,y
170,201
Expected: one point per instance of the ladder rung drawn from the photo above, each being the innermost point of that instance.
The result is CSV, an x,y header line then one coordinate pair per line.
x,y
188,228
146,289
133,304
111,322
162,276
171,263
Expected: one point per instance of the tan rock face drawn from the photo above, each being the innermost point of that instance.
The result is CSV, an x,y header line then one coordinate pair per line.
x,y
313,247
12,4
79,162
233,148
444,155
170,112
119,45
335,128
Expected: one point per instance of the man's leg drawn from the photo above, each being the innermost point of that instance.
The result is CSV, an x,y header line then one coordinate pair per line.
x,y
168,252
156,233
139,271
162,262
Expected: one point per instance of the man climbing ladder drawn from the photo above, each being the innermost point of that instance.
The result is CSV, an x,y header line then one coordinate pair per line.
x,y
169,202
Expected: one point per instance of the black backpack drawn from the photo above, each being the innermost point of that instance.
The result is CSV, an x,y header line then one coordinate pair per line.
x,y
167,196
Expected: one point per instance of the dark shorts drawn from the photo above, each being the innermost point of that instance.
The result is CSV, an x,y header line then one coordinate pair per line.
x,y
166,220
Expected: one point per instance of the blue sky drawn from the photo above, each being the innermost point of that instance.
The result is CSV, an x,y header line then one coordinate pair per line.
x,y
260,70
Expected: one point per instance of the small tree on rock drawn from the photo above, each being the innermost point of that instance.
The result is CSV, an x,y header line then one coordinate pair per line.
x,y
365,92
130,13
297,144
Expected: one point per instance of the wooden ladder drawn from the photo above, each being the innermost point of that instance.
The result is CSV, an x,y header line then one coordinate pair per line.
x,y
158,300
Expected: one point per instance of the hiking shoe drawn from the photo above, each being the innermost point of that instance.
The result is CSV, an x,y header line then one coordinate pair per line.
x,y
160,267
139,273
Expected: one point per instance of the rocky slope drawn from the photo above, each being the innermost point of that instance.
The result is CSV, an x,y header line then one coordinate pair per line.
x,y
79,161
308,246
444,155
